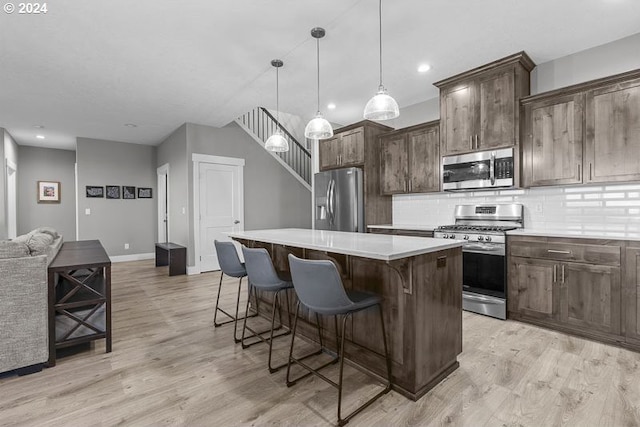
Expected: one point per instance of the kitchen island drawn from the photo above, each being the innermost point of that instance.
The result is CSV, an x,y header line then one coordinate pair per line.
x,y
420,280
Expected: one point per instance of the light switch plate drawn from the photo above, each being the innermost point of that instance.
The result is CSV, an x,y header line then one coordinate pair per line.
x,y
87,211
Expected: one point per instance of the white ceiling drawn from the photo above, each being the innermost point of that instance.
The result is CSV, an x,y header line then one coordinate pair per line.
x,y
88,67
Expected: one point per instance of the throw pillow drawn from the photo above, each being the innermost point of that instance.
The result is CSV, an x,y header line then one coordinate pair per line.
x,y
48,230
38,243
13,249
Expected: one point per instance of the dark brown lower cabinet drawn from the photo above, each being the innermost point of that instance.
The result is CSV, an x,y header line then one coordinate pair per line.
x,y
631,295
569,286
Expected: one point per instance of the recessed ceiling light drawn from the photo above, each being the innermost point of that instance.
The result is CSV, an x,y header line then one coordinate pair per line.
x,y
423,68
40,136
331,106
131,125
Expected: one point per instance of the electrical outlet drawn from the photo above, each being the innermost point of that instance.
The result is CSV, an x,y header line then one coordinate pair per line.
x,y
539,208
126,246
87,211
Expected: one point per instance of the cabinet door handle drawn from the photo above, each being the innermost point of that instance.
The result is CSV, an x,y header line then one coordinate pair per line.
x,y
562,273
555,273
579,179
477,143
471,142
590,178
410,186
555,251
405,186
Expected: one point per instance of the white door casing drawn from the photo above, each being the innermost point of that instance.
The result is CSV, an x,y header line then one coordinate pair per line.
x,y
218,205
163,203
12,192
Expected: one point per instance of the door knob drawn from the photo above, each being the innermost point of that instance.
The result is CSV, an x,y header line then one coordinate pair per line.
x,y
236,222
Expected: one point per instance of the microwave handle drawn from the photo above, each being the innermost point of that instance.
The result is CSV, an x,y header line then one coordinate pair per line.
x,y
492,168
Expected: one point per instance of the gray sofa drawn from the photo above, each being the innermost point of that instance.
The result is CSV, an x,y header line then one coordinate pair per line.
x,y
24,337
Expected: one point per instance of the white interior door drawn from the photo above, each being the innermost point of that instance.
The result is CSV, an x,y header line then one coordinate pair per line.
x,y
221,201
12,226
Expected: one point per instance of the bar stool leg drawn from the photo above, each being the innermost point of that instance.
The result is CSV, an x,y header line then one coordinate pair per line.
x,y
215,313
341,422
386,350
298,361
276,300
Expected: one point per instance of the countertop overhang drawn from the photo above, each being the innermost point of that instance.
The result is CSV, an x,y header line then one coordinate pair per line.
x,y
366,245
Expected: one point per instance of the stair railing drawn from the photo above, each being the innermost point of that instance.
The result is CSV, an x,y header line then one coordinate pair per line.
x,y
262,123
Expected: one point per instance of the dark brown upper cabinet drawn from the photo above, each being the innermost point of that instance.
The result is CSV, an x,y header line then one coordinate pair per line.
x,y
583,133
479,108
410,160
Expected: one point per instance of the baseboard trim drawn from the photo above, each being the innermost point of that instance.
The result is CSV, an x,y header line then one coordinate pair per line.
x,y
133,257
192,270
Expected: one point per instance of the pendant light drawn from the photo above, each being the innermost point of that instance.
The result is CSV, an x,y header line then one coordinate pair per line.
x,y
318,127
381,106
277,142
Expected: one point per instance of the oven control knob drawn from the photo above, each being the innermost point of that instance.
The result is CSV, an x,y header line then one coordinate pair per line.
x,y
466,237
487,239
452,236
480,238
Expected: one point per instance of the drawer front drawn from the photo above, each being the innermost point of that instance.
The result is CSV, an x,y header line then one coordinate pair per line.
x,y
593,254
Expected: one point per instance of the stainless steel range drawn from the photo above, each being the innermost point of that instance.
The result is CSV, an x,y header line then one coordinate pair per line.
x,y
483,228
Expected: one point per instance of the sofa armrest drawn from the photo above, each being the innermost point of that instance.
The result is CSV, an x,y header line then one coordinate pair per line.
x,y
24,323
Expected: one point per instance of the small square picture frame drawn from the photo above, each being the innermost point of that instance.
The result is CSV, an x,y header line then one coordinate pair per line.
x,y
94,191
128,192
112,191
145,193
48,191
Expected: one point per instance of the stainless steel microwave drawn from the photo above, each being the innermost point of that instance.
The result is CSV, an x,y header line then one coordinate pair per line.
x,y
479,170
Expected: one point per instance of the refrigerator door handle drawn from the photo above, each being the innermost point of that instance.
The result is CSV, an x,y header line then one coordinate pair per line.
x,y
330,201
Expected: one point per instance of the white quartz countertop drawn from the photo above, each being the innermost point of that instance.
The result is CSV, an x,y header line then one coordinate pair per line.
x,y
584,234
366,245
404,227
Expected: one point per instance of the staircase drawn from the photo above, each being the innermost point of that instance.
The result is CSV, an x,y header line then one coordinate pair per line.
x,y
260,124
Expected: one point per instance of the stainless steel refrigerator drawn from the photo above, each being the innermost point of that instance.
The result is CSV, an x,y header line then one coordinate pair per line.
x,y
339,200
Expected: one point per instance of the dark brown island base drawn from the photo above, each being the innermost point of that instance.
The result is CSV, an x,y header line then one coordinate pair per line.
x,y
420,280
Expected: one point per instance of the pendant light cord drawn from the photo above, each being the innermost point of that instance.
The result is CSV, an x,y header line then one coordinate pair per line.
x,y
380,26
277,99
318,64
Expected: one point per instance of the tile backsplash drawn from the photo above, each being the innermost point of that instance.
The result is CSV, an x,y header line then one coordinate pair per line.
x,y
613,209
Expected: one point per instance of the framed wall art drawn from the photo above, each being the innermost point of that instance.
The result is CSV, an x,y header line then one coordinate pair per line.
x,y
144,193
113,191
128,192
48,191
94,191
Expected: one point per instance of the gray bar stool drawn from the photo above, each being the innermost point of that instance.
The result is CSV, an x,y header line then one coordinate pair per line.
x,y
263,277
231,266
320,289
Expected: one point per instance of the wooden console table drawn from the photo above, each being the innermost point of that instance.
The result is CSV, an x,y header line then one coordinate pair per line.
x,y
79,296
173,255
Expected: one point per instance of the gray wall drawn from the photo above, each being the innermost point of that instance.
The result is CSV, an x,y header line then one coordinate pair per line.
x,y
173,151
46,164
117,221
600,61
8,151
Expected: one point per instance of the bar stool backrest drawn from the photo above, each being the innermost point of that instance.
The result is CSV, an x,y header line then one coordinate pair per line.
x,y
260,268
228,259
318,285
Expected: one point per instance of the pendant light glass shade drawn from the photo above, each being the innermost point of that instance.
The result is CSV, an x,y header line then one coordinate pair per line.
x,y
277,142
318,127
382,106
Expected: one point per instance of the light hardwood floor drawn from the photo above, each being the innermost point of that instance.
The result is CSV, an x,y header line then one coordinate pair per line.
x,y
169,366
